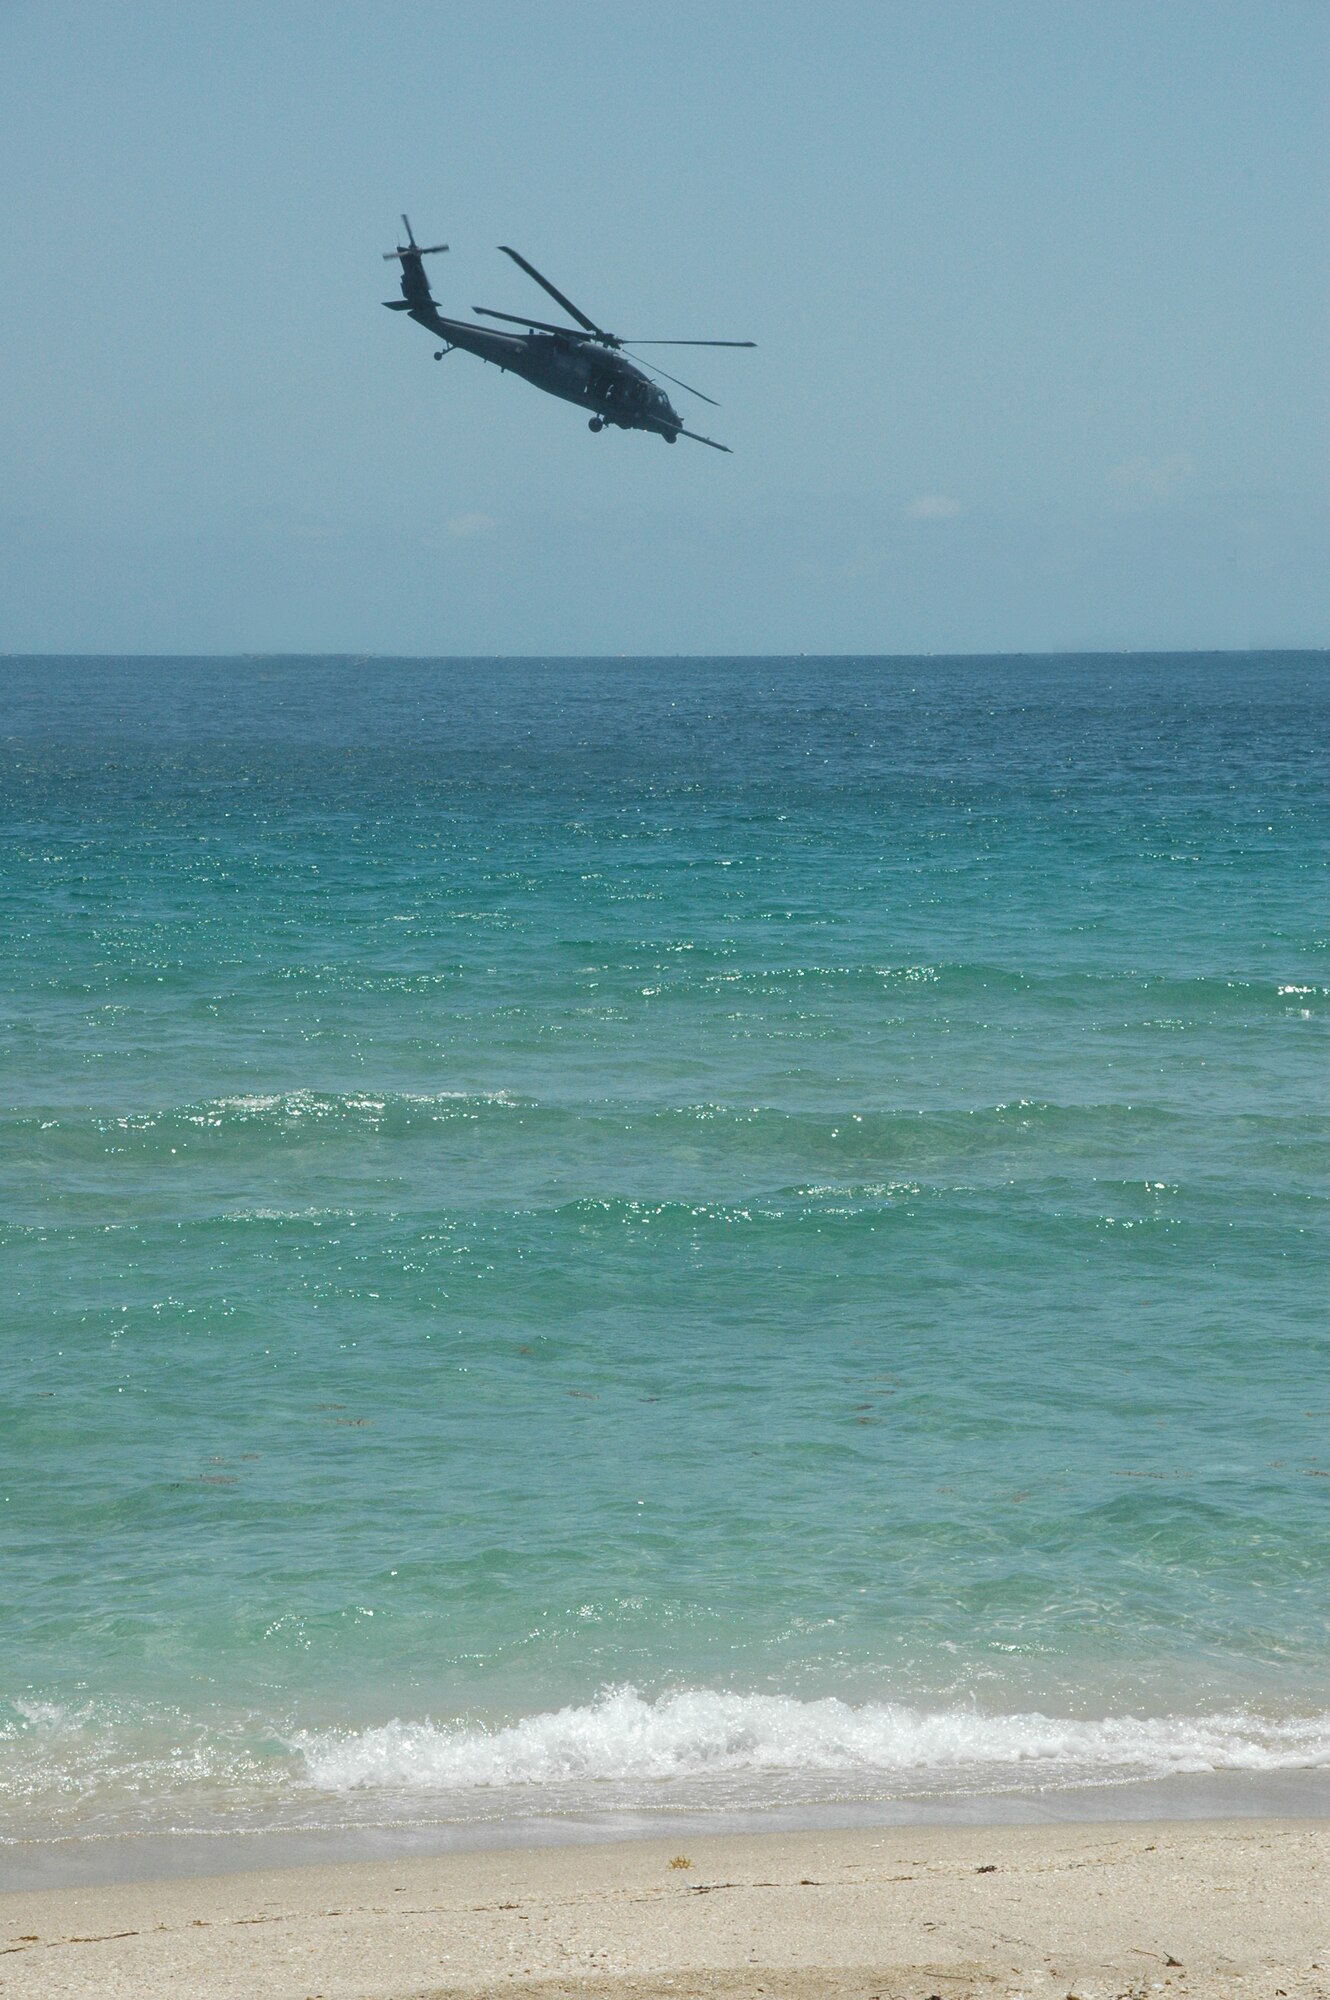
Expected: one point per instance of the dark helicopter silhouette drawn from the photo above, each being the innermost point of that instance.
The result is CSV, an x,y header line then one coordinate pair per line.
x,y
583,364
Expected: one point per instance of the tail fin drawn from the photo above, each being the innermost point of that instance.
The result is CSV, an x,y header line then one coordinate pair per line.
x,y
415,285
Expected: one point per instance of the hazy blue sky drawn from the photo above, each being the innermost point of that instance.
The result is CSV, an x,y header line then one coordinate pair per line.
x,y
1040,288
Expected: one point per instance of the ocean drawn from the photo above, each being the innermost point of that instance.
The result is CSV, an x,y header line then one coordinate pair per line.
x,y
590,1240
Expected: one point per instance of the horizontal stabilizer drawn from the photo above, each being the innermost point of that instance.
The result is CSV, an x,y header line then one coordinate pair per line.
x,y
398,305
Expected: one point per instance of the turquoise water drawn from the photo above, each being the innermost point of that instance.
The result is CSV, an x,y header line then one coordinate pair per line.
x,y
599,1235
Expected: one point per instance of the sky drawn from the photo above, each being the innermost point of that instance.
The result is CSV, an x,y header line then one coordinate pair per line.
x,y
1040,291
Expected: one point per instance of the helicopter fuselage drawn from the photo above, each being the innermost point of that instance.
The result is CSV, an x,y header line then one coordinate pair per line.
x,y
585,364
604,383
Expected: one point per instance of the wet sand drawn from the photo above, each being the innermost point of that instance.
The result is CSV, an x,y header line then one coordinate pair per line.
x,y
1201,1909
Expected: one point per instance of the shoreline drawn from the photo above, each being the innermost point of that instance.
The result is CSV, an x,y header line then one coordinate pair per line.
x,y
89,1860
1200,1909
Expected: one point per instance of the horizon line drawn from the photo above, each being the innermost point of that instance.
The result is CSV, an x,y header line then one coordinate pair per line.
x,y
362,657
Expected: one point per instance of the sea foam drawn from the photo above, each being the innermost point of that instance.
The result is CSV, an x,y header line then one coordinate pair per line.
x,y
625,1738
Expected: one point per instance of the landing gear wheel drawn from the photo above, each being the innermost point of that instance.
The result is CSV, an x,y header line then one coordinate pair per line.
x,y
596,424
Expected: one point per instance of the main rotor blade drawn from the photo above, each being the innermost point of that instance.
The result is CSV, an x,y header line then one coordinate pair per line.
x,y
653,370
537,325
555,293
633,341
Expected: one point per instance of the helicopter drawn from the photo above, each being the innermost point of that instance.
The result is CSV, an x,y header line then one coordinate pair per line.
x,y
584,364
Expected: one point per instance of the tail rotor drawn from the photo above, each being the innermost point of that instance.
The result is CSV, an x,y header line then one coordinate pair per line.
x,y
411,248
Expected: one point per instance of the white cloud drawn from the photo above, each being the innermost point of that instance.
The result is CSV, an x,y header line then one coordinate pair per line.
x,y
933,507
463,525
1153,479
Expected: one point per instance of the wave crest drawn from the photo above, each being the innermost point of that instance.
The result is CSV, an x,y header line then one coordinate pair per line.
x,y
623,1737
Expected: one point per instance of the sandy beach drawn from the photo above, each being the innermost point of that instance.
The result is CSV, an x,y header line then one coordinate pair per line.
x,y
1212,1909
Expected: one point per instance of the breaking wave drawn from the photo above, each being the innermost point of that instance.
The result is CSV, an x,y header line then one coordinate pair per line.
x,y
623,1738
103,1770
